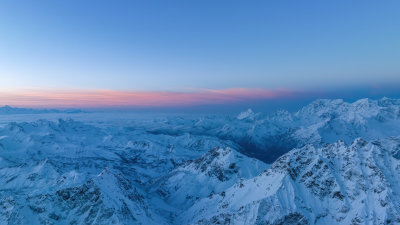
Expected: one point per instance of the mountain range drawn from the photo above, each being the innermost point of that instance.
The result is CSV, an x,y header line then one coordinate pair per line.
x,y
331,162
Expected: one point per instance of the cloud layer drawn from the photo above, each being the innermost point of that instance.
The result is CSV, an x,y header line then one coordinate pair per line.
x,y
111,98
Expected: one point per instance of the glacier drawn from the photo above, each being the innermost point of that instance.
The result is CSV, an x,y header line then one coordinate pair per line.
x,y
331,162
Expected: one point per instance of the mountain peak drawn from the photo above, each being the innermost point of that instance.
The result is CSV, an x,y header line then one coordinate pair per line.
x,y
248,114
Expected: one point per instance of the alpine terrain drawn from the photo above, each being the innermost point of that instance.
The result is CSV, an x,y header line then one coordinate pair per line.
x,y
331,162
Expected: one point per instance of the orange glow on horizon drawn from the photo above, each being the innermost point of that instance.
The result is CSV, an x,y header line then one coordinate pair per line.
x,y
111,98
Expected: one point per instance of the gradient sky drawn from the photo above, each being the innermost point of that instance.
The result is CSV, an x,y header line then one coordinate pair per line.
x,y
197,46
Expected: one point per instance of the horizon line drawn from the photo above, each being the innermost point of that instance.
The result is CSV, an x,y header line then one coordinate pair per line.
x,y
103,98
125,99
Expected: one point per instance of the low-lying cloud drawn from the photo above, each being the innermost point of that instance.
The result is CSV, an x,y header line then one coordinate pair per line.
x,y
112,98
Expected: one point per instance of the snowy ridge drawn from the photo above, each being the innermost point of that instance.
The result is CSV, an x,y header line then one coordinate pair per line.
x,y
106,199
249,114
335,184
218,169
267,137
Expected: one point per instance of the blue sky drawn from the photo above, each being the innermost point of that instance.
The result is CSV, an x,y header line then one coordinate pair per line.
x,y
196,45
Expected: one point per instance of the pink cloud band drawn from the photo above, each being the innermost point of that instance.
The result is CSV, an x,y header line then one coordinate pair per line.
x,y
110,98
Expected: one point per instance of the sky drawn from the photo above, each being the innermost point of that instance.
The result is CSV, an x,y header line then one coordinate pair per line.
x,y
160,53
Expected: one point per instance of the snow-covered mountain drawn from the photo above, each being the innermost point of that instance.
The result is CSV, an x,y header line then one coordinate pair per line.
x,y
213,172
267,137
334,184
69,172
331,162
